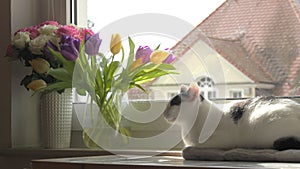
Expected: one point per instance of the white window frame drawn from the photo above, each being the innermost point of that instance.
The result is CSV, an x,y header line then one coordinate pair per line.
x,y
205,90
231,93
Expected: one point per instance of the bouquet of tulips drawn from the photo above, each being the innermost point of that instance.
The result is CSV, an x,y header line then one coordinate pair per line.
x,y
65,56
31,45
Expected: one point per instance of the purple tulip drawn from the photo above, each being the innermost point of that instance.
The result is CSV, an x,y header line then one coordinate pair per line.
x,y
69,47
143,52
47,52
92,44
170,58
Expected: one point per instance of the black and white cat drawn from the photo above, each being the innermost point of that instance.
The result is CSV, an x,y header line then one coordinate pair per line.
x,y
261,122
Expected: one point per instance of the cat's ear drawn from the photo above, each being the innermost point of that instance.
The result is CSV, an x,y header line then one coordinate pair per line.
x,y
183,89
193,91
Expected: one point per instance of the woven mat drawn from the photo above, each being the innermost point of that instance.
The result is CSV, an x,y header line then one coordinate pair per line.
x,y
258,155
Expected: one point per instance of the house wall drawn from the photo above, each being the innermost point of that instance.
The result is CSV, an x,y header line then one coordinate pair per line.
x,y
199,61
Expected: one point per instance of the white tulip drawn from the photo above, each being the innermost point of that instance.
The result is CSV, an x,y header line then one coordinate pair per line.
x,y
21,39
48,29
36,45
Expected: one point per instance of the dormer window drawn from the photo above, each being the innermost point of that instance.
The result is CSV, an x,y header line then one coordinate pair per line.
x,y
207,87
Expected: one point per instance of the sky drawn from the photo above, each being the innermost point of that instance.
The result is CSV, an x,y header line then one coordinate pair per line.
x,y
192,11
103,13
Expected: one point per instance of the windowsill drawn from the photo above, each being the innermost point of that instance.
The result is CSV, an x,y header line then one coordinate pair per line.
x,y
76,152
143,162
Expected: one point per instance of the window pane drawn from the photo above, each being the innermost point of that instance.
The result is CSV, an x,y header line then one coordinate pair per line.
x,y
225,53
236,94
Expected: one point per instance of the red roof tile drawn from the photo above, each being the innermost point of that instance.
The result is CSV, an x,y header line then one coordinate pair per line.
x,y
265,34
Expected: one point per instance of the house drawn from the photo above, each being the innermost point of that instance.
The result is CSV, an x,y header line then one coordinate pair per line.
x,y
244,48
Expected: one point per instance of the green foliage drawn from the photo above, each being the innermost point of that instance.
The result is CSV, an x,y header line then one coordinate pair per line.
x,y
105,79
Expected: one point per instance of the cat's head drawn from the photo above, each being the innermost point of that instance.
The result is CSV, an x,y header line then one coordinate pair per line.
x,y
187,97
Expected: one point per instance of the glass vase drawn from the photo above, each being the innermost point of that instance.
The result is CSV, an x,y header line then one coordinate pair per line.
x,y
103,120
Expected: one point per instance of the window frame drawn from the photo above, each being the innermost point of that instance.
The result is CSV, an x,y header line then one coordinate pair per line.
x,y
207,91
231,93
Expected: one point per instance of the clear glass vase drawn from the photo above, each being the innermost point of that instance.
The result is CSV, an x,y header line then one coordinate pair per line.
x,y
103,120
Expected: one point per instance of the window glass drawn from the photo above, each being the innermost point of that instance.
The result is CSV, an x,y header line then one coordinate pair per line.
x,y
236,94
230,54
226,53
207,87
101,15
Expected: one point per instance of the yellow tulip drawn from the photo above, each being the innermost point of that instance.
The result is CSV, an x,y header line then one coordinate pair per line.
x,y
115,43
158,56
36,84
136,64
40,65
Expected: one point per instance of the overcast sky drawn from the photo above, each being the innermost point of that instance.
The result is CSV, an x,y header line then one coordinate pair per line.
x,y
192,11
102,13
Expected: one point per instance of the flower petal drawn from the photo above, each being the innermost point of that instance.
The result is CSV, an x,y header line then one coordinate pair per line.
x,y
136,64
169,59
40,65
115,44
36,84
158,56
143,52
92,45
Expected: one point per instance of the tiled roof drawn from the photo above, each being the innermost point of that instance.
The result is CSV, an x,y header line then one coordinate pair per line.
x,y
232,50
260,37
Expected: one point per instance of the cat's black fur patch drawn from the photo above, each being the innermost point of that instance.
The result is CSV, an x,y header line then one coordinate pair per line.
x,y
286,143
238,109
175,101
201,98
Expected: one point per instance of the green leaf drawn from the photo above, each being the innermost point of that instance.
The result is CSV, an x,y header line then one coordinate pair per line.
x,y
146,76
131,53
140,87
123,54
68,65
109,74
149,67
99,82
157,47
93,63
81,92
61,74
57,86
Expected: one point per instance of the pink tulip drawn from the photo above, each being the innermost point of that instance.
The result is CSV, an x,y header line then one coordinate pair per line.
x,y
68,30
49,23
11,52
33,32
84,32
